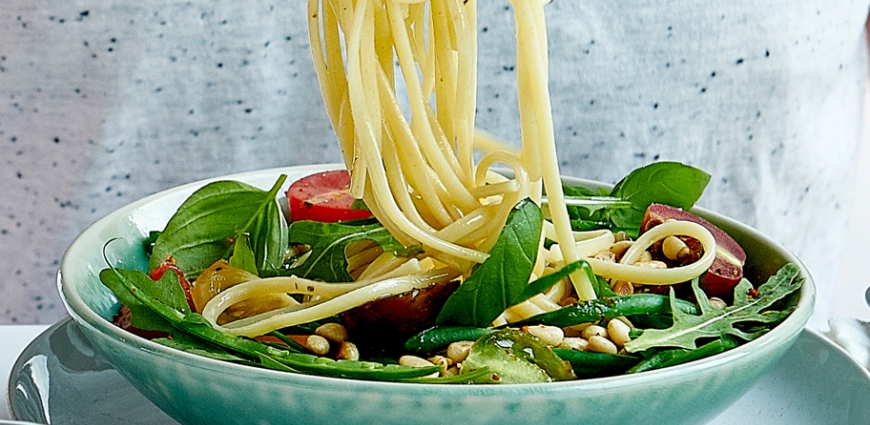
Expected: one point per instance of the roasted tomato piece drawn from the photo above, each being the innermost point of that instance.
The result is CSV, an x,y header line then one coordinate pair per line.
x,y
324,197
383,326
727,269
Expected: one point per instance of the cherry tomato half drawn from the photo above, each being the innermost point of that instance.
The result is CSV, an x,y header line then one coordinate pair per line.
x,y
324,197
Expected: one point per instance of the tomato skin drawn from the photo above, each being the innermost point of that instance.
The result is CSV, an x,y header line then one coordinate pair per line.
x,y
323,197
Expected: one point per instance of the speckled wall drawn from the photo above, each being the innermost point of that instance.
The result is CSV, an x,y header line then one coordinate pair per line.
x,y
104,102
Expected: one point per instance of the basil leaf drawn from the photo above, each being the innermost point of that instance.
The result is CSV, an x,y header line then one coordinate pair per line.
x,y
326,260
167,290
670,183
243,256
498,282
207,224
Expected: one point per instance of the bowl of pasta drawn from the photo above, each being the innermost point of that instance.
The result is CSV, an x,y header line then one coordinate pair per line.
x,y
196,373
438,275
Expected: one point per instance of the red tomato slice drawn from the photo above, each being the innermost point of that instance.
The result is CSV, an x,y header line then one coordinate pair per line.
x,y
324,197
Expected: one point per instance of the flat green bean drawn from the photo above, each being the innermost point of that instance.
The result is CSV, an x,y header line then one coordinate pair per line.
x,y
439,337
608,308
588,364
673,357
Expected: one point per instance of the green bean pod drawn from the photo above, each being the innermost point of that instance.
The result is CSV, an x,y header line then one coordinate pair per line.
x,y
588,364
608,308
673,357
439,337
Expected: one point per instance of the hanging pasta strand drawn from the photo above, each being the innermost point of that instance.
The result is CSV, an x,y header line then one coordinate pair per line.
x,y
416,171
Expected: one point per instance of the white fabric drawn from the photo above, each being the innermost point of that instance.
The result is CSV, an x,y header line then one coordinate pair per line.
x,y
106,101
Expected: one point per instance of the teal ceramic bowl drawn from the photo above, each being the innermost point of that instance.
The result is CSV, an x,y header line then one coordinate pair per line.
x,y
199,391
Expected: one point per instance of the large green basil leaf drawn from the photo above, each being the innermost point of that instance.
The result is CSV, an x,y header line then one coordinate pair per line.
x,y
208,223
670,183
498,282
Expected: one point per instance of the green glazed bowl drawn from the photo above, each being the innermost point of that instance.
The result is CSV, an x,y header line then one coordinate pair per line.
x,y
199,391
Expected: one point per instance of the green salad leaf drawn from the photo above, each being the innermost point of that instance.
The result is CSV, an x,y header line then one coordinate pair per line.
x,y
713,323
326,259
670,183
498,282
167,290
207,225
138,285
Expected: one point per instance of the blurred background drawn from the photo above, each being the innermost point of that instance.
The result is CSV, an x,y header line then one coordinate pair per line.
x,y
104,102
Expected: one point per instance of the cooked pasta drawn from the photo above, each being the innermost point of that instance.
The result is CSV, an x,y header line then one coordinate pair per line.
x,y
417,172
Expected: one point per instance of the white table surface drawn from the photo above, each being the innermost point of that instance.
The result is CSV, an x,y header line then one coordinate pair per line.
x,y
13,340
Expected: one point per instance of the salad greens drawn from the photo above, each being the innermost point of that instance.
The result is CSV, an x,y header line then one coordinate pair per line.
x,y
244,225
327,242
209,224
498,282
670,183
712,322
143,289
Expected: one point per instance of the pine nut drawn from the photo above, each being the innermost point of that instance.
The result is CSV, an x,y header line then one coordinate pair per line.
x,y
645,256
568,301
594,330
444,362
600,344
458,351
605,256
718,303
334,332
347,351
317,345
622,288
414,361
575,343
618,332
620,247
549,335
675,248
651,264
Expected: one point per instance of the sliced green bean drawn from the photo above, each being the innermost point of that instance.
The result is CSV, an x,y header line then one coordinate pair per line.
x,y
608,308
673,357
439,337
588,364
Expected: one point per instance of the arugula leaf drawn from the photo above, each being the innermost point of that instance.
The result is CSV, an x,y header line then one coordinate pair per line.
x,y
715,323
207,224
326,259
498,282
670,183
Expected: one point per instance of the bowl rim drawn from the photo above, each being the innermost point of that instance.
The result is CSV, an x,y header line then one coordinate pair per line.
x,y
84,315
